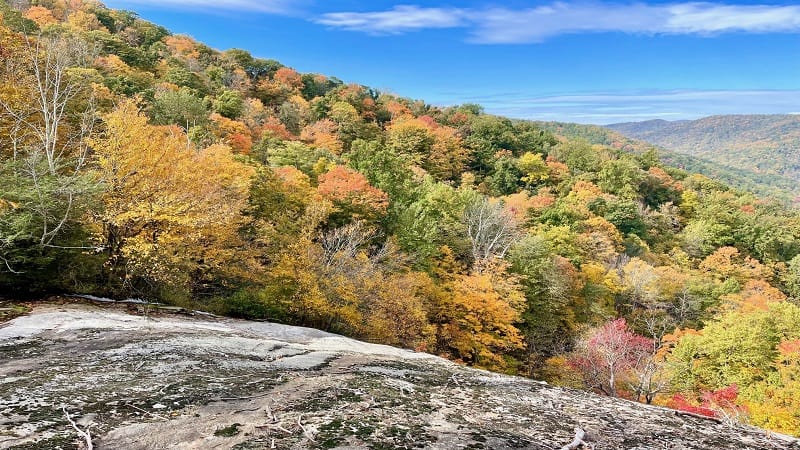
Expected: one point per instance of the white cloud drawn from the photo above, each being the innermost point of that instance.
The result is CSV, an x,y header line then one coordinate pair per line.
x,y
537,24
504,25
710,18
397,20
623,106
262,6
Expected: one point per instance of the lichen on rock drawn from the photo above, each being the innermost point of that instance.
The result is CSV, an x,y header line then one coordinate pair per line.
x,y
171,382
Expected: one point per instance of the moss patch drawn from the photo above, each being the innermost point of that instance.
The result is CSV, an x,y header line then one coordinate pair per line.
x,y
229,431
10,310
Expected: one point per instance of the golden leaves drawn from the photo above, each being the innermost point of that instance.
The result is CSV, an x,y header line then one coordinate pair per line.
x,y
166,205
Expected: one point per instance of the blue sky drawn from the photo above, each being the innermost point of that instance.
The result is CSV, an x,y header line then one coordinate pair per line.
x,y
589,61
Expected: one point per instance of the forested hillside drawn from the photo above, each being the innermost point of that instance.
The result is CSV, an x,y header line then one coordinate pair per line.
x,y
764,144
741,176
135,162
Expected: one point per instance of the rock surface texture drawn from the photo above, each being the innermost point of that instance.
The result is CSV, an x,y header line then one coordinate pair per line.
x,y
171,382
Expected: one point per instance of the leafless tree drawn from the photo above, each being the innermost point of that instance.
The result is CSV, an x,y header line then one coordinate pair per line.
x,y
48,133
649,373
19,5
347,241
48,68
491,230
354,250
685,308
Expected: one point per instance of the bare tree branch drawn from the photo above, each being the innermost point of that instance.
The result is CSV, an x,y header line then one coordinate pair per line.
x,y
491,230
49,131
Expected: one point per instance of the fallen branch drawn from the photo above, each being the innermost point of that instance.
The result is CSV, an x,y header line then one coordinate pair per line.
x,y
163,388
579,435
271,414
222,378
247,410
305,431
129,301
82,433
8,266
147,412
220,399
275,427
697,416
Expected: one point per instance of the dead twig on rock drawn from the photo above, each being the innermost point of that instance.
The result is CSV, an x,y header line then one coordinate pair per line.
x,y
158,416
305,431
220,379
697,416
271,414
579,435
275,427
247,410
218,399
82,433
166,386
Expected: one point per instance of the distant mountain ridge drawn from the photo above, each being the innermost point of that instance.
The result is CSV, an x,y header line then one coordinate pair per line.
x,y
762,143
751,179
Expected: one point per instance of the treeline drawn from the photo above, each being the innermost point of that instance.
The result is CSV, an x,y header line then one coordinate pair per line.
x,y
138,163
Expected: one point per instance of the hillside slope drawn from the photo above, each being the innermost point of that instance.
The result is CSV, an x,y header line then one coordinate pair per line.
x,y
169,382
636,137
761,143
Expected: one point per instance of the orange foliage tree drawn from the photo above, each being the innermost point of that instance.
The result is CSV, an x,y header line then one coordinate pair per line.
x,y
352,195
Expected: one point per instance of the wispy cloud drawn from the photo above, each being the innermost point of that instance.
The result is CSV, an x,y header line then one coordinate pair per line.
x,y
504,25
261,6
399,19
622,106
709,18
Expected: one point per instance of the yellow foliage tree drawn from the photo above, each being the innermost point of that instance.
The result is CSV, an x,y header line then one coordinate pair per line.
x,y
476,313
336,283
533,167
170,213
727,263
775,403
448,157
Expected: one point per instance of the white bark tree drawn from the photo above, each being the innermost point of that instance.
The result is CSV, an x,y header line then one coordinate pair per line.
x,y
491,230
49,113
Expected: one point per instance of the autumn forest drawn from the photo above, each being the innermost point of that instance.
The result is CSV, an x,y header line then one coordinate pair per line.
x,y
135,163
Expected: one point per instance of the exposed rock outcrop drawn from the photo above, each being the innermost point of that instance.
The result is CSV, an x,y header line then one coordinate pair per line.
x,y
167,381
